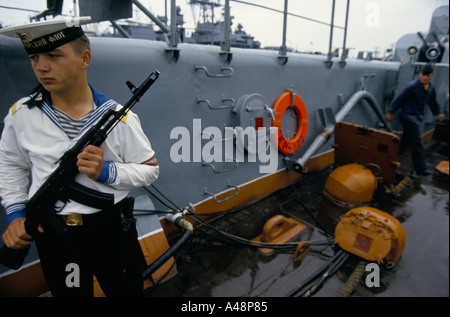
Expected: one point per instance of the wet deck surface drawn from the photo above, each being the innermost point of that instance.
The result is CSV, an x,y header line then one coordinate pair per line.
x,y
213,268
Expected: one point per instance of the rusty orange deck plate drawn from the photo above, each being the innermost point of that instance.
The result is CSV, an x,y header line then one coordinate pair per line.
x,y
377,150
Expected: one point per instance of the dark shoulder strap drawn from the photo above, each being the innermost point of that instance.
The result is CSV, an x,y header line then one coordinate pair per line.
x,y
87,196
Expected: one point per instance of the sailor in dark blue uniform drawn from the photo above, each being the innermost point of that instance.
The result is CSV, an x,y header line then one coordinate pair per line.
x,y
411,101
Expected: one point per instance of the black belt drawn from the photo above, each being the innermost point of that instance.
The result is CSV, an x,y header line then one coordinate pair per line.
x,y
92,198
97,218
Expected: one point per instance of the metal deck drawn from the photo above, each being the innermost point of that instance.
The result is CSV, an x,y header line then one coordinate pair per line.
x,y
208,267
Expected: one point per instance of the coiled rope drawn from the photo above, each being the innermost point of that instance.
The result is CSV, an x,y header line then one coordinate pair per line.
x,y
353,280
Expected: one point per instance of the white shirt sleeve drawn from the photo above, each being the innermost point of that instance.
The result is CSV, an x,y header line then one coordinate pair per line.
x,y
126,148
14,167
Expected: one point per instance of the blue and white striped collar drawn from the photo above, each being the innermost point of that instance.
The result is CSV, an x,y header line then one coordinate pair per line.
x,y
101,101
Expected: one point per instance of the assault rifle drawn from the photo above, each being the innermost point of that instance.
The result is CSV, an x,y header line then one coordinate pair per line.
x,y
40,209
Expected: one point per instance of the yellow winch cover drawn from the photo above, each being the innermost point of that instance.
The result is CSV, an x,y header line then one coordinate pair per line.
x,y
350,185
371,234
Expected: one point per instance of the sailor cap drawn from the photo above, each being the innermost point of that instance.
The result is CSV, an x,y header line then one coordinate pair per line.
x,y
44,36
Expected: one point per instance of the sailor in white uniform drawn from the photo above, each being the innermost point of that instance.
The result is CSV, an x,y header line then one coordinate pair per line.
x,y
38,130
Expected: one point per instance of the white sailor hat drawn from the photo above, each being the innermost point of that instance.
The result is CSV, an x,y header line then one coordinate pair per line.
x,y
44,36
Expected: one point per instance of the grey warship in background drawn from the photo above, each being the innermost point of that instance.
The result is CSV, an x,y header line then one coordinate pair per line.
x,y
208,30
207,95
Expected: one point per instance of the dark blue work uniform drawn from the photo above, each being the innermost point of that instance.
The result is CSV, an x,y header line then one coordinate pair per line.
x,y
411,101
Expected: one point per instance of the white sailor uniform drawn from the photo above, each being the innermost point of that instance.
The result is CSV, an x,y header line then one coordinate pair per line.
x,y
33,141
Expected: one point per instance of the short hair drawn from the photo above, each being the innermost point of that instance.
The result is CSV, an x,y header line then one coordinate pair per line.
x,y
427,69
80,44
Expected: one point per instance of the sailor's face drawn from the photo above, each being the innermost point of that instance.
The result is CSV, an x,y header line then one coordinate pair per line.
x,y
425,79
58,69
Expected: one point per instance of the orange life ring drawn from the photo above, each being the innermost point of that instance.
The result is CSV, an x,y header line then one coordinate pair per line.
x,y
283,102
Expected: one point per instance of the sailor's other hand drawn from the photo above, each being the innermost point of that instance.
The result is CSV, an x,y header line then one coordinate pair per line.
x,y
90,161
388,116
15,236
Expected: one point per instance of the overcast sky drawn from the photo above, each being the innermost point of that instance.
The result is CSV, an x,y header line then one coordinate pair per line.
x,y
373,24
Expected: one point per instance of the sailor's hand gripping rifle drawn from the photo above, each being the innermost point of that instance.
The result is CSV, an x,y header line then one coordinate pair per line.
x,y
40,209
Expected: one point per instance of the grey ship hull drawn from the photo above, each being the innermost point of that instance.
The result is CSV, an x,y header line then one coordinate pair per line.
x,y
184,93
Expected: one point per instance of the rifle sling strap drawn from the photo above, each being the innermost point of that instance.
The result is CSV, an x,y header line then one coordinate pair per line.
x,y
87,196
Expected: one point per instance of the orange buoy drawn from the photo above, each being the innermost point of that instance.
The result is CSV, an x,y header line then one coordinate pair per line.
x,y
286,100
